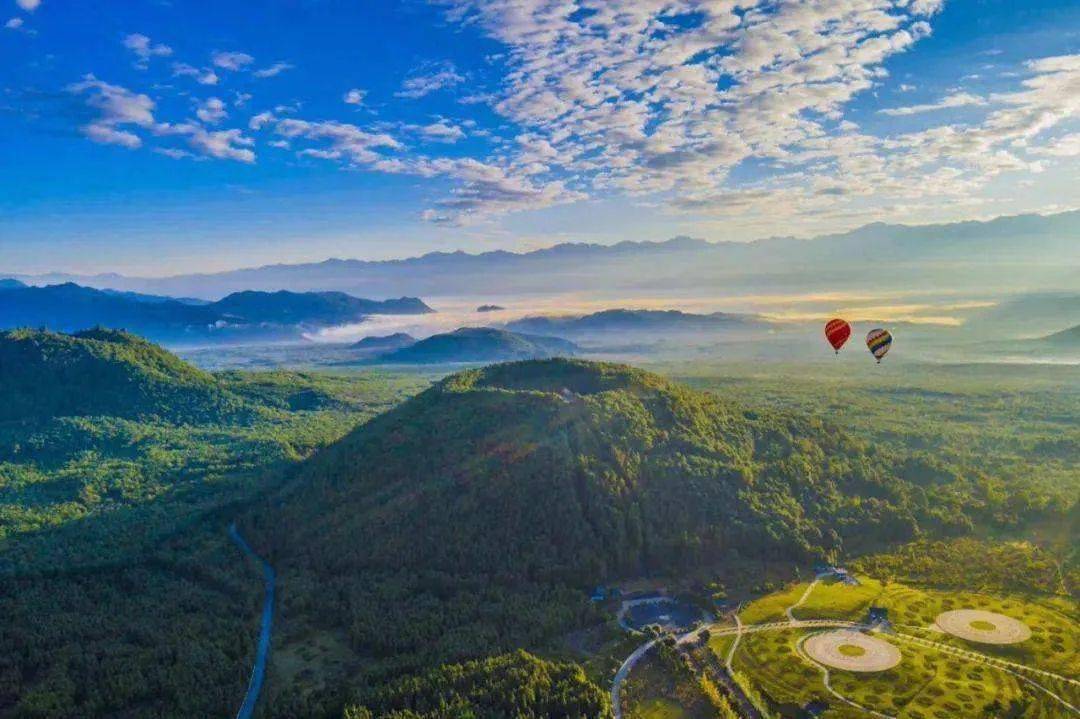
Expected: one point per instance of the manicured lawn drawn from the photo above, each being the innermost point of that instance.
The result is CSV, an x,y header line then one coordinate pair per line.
x,y
927,684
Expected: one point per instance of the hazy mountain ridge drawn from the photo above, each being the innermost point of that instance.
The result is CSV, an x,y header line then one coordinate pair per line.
x,y
1066,338
1038,248
652,322
480,344
240,316
385,343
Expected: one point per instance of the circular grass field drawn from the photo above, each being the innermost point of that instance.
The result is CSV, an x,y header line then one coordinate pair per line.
x,y
976,625
852,651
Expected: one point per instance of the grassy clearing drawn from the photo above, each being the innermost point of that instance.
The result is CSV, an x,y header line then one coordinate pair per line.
x,y
660,709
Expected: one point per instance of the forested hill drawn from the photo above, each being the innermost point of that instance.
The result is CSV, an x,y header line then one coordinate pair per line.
x,y
105,372
315,308
571,471
480,344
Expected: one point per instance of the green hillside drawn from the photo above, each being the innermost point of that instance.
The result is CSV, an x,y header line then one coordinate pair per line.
x,y
104,372
429,534
480,344
566,470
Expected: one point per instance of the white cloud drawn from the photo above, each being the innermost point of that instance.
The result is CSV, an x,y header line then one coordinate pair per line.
x,y
440,131
203,76
231,60
211,111
222,144
665,98
956,99
1065,146
276,69
354,97
122,114
144,49
28,5
173,152
116,107
429,80
14,23
261,120
344,141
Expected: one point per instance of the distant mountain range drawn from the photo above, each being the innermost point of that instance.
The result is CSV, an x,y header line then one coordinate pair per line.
x,y
1029,315
1009,254
243,316
654,323
480,344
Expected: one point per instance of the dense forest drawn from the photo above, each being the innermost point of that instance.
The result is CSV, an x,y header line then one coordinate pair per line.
x,y
427,535
120,467
511,686
421,543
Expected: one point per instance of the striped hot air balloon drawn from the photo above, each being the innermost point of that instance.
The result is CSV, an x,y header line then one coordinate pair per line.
x,y
837,332
878,342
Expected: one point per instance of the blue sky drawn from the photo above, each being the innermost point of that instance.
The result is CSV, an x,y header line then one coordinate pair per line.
x,y
161,137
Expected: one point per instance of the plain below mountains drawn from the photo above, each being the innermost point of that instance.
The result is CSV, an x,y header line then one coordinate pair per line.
x,y
479,344
239,317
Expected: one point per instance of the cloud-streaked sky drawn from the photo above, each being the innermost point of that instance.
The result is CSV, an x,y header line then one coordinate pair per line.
x,y
154,138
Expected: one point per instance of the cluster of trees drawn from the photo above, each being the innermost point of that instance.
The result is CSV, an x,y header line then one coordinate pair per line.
x,y
516,685
973,565
170,634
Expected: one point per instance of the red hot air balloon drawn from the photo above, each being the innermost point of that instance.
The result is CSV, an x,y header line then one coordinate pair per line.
x,y
837,333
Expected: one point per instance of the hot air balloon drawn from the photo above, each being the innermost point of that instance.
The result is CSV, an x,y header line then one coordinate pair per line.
x,y
878,342
837,333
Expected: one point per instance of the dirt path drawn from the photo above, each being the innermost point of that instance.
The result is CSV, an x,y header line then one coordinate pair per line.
x,y
802,599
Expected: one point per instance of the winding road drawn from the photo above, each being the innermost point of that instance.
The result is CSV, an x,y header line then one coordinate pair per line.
x,y
258,672
624,670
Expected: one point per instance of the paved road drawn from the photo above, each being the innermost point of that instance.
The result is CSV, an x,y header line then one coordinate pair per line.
x,y
624,670
258,672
